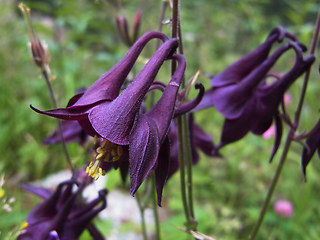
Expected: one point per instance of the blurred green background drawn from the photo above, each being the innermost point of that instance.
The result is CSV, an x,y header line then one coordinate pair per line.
x,y
84,43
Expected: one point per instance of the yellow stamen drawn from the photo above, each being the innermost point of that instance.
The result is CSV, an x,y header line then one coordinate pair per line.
x,y
108,148
24,224
2,192
95,139
107,152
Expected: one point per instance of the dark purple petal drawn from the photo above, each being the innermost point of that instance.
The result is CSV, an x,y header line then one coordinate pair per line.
x,y
120,113
162,168
241,68
107,87
231,100
174,149
187,107
72,132
80,218
313,143
277,140
162,112
143,151
235,129
48,216
94,232
270,96
206,100
39,191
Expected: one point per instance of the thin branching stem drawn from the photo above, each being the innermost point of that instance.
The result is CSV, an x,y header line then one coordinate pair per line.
x,y
54,104
155,209
179,122
185,157
272,186
306,77
143,221
289,139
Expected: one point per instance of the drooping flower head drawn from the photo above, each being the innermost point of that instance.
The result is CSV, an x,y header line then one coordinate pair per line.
x,y
243,97
62,215
117,119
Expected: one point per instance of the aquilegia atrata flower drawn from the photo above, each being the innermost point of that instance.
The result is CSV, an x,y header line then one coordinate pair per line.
x,y
62,215
243,97
118,121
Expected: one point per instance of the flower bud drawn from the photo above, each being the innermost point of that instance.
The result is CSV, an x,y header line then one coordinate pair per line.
x,y
39,50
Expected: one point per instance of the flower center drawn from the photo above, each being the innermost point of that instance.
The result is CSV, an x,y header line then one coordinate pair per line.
x,y
107,152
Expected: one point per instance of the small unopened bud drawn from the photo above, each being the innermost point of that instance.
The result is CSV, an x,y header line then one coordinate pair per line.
x,y
40,54
123,28
39,50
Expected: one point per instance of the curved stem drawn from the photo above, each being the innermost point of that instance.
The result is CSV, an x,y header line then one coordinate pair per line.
x,y
143,221
306,77
155,209
272,186
182,170
54,103
188,154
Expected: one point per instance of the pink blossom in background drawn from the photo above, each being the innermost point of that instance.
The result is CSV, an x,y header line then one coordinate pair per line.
x,y
270,132
283,208
287,98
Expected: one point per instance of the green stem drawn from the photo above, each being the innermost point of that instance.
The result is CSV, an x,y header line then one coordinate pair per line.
x,y
290,136
155,209
174,34
306,77
143,221
182,171
272,185
164,7
188,154
54,104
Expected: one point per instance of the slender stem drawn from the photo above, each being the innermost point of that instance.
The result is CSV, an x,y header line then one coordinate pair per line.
x,y
182,170
306,77
289,139
188,155
272,185
164,7
155,209
186,138
54,104
143,221
174,34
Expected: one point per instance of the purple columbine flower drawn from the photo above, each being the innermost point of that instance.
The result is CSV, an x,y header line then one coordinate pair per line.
x,y
62,215
117,120
243,97
102,102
